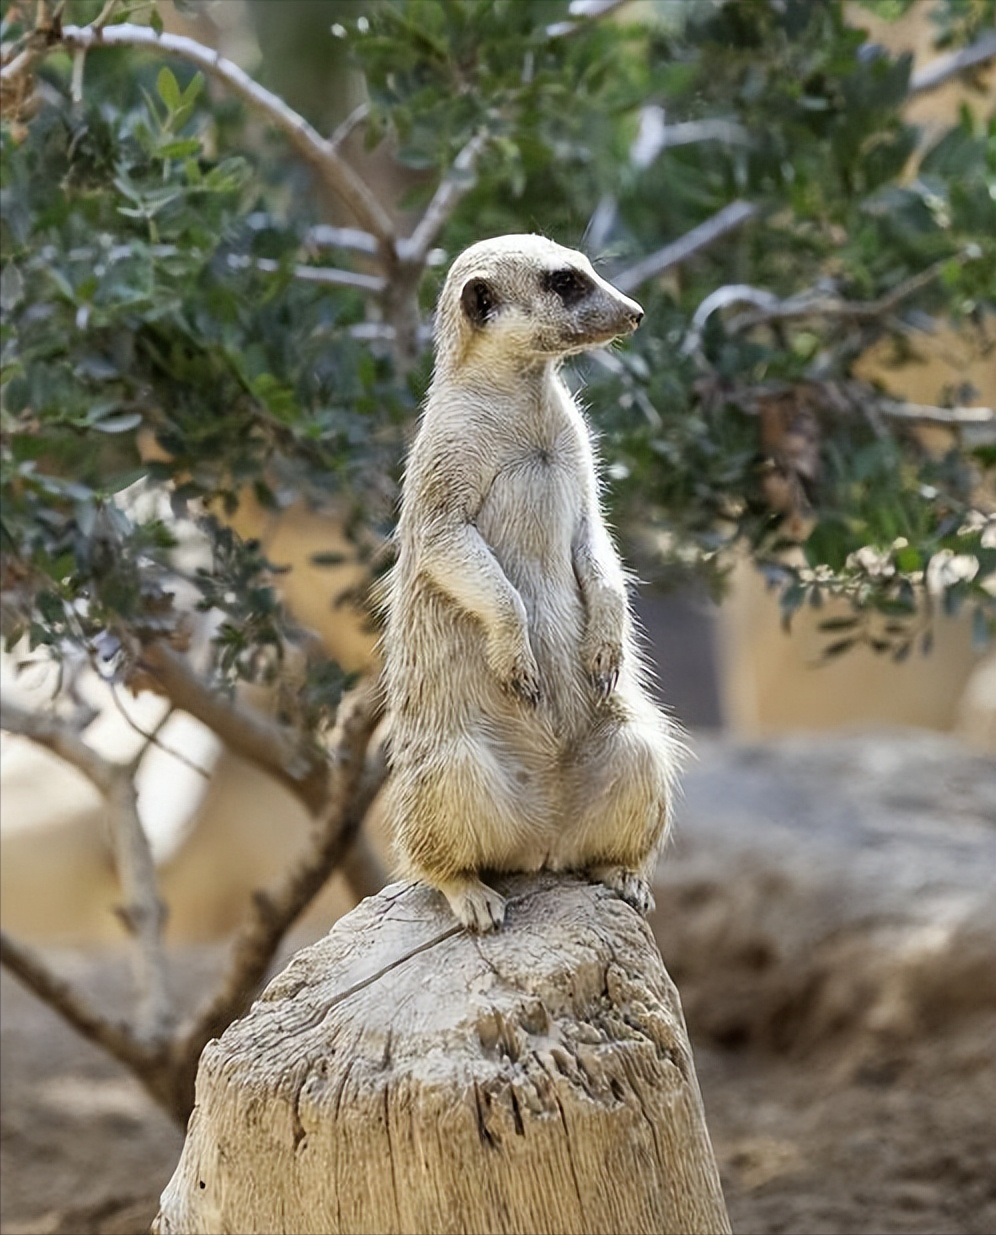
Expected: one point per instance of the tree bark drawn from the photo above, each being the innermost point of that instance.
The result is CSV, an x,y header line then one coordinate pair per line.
x,y
404,1075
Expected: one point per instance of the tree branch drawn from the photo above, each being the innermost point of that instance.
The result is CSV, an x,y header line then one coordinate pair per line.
x,y
724,221
62,739
324,236
582,12
152,738
142,912
455,185
248,733
355,117
326,275
947,416
812,302
322,155
116,1037
354,784
945,67
816,302
655,134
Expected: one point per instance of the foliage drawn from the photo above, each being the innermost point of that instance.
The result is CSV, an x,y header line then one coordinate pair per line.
x,y
161,355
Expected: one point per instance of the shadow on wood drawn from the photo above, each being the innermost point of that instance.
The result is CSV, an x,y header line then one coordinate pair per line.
x,y
403,1075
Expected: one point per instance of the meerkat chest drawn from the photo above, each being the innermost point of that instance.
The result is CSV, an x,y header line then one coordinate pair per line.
x,y
532,508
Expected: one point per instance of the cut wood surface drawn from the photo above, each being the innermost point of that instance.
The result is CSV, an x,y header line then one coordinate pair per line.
x,y
404,1075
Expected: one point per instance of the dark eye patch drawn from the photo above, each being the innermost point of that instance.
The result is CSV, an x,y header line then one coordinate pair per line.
x,y
570,285
479,301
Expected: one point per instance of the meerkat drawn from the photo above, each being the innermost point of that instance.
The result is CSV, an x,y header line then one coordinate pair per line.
x,y
523,735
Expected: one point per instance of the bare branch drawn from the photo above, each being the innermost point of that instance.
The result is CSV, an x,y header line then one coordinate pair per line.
x,y
323,236
354,785
142,913
724,221
813,302
312,274
581,12
63,739
455,185
360,866
355,117
31,969
856,398
76,85
270,745
655,134
948,416
322,155
945,67
19,65
151,737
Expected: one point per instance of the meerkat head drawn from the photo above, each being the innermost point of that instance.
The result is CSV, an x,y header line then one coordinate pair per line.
x,y
518,300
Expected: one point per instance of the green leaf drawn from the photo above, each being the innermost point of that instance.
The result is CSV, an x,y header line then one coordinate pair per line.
x,y
193,90
838,648
829,544
908,559
839,623
169,89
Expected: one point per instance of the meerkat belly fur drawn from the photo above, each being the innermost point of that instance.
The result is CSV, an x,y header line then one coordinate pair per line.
x,y
523,735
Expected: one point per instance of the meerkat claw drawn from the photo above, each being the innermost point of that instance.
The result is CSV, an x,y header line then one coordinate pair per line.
x,y
603,671
526,686
476,906
629,885
605,683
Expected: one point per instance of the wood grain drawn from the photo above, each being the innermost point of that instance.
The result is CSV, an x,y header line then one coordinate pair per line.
x,y
404,1075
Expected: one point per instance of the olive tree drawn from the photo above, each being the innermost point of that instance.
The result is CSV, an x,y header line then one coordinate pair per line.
x,y
207,295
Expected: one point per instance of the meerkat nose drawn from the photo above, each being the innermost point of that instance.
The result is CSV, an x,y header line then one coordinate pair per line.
x,y
636,316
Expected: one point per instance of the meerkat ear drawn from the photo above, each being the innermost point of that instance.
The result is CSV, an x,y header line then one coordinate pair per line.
x,y
479,302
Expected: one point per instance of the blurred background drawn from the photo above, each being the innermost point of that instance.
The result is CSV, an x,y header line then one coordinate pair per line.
x,y
826,906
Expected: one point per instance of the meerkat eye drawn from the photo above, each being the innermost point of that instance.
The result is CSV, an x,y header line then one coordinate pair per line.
x,y
479,301
570,285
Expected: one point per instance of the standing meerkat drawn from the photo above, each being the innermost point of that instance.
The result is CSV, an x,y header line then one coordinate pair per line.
x,y
523,735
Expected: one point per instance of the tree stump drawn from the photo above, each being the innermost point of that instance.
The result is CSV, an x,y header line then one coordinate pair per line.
x,y
402,1075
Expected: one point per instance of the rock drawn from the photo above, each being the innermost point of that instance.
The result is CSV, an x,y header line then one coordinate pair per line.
x,y
403,1075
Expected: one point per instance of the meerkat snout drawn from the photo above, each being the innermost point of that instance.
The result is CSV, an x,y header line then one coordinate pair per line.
x,y
523,733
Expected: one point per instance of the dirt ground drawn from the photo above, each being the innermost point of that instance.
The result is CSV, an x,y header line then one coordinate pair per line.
x,y
810,1146
863,1119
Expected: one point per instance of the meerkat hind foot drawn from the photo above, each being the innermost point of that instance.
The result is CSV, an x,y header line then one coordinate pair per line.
x,y
628,884
475,905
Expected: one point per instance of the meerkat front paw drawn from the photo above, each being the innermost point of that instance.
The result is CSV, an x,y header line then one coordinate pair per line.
x,y
601,662
517,671
630,885
476,906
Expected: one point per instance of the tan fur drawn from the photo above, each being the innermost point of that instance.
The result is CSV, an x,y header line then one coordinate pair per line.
x,y
522,733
